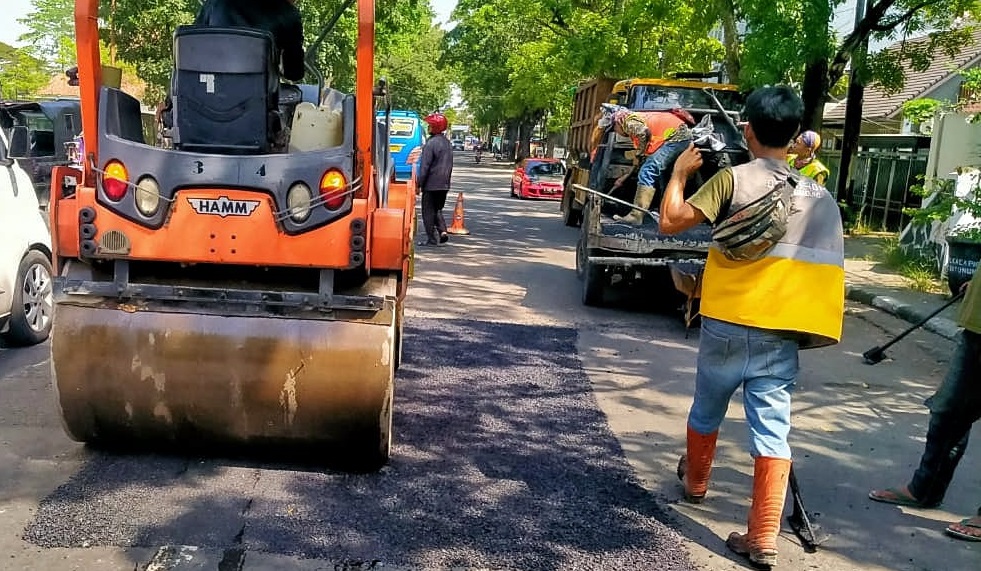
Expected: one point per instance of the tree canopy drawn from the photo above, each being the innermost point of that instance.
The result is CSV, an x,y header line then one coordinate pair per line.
x,y
139,33
519,61
523,56
21,74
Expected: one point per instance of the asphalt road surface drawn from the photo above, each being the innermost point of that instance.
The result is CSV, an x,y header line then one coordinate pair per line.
x,y
530,433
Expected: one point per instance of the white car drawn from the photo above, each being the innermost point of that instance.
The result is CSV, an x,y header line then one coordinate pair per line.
x,y
26,304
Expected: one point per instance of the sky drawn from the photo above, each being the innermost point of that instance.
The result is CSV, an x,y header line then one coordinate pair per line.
x,y
10,29
443,8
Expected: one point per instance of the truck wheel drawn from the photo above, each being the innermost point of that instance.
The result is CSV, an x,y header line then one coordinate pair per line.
x,y
592,284
590,274
33,306
570,214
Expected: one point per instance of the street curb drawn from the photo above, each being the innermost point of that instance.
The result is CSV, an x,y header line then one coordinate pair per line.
x,y
940,325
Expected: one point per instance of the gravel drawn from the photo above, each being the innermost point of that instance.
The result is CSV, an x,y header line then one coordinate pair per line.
x,y
502,460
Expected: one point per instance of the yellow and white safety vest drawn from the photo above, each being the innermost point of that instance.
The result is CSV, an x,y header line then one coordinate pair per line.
x,y
799,286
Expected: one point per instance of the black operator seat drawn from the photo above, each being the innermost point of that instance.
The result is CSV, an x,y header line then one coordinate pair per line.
x,y
225,90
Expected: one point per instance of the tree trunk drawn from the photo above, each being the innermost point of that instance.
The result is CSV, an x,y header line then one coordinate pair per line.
x,y
511,138
815,94
730,38
524,137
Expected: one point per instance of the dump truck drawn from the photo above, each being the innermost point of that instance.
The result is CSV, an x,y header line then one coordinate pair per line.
x,y
609,251
585,113
244,284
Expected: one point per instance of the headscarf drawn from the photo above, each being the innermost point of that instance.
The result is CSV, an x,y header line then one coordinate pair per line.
x,y
811,140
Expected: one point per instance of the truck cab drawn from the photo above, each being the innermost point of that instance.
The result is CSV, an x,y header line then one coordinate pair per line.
x,y
610,251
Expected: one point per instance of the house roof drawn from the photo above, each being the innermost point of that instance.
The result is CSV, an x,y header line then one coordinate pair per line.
x,y
881,105
58,87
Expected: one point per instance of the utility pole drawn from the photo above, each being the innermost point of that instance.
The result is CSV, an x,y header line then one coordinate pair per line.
x,y
853,110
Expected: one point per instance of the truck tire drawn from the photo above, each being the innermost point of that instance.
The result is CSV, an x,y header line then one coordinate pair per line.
x,y
571,215
32,308
592,285
590,274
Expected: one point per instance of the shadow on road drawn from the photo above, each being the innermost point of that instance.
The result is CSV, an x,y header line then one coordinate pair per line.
x,y
502,460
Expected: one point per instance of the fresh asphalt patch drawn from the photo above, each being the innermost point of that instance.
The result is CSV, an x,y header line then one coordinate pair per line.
x,y
502,460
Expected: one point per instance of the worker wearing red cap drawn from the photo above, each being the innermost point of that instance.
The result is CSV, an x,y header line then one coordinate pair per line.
x,y
433,179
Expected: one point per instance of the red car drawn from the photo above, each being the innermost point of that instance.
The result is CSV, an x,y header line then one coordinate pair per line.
x,y
538,178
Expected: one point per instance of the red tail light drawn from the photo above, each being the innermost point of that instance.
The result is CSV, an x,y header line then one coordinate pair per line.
x,y
332,189
115,180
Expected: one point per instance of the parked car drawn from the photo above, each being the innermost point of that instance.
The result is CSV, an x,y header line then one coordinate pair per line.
x,y
50,125
26,306
538,178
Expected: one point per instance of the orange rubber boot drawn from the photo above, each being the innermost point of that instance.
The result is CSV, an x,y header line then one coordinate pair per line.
x,y
769,494
695,467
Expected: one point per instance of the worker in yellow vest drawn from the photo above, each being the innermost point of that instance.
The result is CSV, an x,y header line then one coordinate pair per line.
x,y
803,157
773,285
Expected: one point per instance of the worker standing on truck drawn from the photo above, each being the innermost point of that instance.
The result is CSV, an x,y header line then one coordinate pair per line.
x,y
769,290
433,180
658,138
281,18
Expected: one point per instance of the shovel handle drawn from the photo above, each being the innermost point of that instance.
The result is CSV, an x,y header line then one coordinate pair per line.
x,y
922,322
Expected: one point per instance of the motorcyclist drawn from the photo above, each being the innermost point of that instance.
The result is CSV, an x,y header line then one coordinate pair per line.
x,y
281,18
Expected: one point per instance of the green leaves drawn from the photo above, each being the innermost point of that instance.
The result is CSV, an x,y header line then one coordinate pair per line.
x,y
21,74
51,32
520,60
920,110
140,33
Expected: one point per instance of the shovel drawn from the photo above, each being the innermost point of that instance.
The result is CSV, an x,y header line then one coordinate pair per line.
x,y
810,533
876,354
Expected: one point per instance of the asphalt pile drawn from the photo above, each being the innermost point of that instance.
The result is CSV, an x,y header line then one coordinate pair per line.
x,y
502,460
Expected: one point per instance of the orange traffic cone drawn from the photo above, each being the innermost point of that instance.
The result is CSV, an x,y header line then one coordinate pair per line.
x,y
457,226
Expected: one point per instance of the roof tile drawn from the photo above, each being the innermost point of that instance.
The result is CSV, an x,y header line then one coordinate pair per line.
x,y
880,105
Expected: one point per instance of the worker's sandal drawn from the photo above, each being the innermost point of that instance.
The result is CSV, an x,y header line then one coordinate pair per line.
x,y
642,199
695,466
759,543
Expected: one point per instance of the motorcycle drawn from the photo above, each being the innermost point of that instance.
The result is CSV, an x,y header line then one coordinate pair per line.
x,y
476,155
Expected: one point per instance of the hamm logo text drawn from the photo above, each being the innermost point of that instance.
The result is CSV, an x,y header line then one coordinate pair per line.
x,y
223,206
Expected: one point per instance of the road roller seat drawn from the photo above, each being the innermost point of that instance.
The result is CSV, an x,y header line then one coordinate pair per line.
x,y
224,87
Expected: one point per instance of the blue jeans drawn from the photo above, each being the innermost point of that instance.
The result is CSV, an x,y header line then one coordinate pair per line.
x,y
954,408
657,168
764,364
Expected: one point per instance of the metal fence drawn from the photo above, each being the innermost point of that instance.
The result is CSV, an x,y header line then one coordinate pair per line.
x,y
882,180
